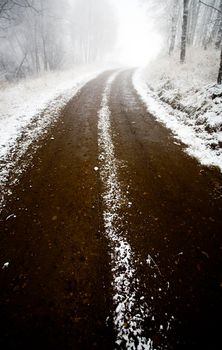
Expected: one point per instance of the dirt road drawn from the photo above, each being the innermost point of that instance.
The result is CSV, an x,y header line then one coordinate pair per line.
x,y
113,234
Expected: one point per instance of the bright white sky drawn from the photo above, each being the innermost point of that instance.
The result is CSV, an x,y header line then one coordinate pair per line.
x,y
138,41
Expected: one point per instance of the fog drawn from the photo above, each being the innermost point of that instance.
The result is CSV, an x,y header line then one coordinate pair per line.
x,y
43,35
138,38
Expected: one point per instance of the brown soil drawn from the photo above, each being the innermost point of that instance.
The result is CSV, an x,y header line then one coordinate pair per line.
x,y
56,292
176,218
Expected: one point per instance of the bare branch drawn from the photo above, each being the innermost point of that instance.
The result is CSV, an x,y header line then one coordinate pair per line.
x,y
214,8
26,4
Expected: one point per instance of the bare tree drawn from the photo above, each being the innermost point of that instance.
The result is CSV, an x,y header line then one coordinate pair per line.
x,y
33,36
7,7
219,24
93,28
193,20
184,30
219,78
174,21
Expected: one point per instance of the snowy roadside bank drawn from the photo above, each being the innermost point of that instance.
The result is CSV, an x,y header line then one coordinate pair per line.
x,y
27,110
191,106
20,102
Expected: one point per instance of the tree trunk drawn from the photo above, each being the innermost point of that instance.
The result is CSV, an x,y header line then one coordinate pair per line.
x,y
18,70
207,25
36,50
173,27
184,30
219,79
195,8
45,59
214,29
219,34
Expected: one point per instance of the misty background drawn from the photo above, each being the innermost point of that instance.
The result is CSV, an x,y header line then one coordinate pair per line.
x,y
46,35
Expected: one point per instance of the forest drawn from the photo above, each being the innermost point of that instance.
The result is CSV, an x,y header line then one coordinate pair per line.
x,y
46,35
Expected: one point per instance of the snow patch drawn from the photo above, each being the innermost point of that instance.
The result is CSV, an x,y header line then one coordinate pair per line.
x,y
5,265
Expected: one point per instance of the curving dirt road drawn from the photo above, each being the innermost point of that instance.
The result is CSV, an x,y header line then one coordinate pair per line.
x,y
113,234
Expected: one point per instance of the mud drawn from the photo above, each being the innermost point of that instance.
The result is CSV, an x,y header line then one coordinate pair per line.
x,y
56,292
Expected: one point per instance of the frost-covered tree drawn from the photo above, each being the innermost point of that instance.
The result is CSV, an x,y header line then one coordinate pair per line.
x,y
219,25
40,35
194,9
184,30
174,22
33,36
189,23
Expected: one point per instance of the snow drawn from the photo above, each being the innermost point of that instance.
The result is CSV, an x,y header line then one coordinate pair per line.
x,y
28,109
128,315
185,99
5,265
20,102
151,262
10,216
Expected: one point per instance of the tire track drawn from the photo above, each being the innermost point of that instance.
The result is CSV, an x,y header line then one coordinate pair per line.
x,y
55,281
130,310
174,225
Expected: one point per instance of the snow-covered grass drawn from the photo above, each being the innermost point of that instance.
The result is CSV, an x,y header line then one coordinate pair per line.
x,y
29,108
187,100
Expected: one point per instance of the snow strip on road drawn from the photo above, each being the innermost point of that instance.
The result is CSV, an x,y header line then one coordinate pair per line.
x,y
130,310
197,142
26,121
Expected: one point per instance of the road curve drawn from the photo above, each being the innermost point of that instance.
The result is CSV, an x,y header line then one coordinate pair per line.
x,y
113,235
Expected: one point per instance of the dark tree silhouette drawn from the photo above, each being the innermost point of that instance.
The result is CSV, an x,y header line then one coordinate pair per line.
x,y
184,30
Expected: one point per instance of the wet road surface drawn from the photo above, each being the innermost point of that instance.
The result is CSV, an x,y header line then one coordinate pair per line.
x,y
113,234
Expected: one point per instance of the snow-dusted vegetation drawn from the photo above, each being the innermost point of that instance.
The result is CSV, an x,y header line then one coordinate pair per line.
x,y
190,102
184,79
